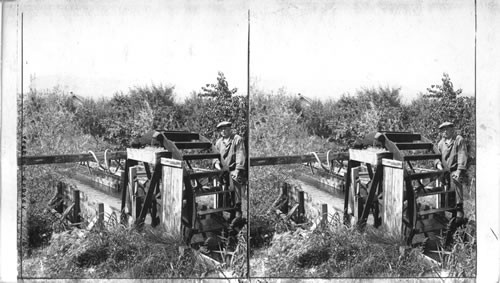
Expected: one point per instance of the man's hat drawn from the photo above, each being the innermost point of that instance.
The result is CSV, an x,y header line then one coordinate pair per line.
x,y
446,125
224,124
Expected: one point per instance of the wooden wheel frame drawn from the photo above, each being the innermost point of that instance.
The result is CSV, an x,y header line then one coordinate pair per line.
x,y
410,211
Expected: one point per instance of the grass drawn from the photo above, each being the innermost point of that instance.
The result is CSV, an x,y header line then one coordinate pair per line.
x,y
340,251
118,252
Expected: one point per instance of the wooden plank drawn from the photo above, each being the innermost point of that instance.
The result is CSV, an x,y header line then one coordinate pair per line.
x,y
171,192
215,210
192,145
422,157
149,154
370,156
437,210
402,137
199,156
425,175
181,136
66,211
207,173
392,163
171,162
393,189
296,159
67,158
413,145
292,211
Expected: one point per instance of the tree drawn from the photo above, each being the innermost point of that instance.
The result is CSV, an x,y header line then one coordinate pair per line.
x,y
219,90
89,117
160,100
443,102
350,117
216,103
127,119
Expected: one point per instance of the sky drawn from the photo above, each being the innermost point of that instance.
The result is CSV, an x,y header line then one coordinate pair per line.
x,y
326,48
321,49
96,48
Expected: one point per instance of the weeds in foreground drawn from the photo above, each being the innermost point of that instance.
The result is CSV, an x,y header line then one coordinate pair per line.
x,y
459,260
117,252
340,251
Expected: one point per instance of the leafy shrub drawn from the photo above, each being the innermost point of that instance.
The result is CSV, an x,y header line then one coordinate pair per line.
x,y
213,104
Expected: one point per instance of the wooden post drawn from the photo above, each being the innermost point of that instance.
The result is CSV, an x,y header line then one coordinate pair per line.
x,y
355,200
132,191
302,209
60,207
76,208
123,187
347,187
100,215
284,192
172,198
393,188
324,215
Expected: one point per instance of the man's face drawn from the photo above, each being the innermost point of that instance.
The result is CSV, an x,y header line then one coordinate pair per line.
x,y
225,131
447,132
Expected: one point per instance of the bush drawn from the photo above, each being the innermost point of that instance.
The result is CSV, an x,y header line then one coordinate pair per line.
x,y
213,104
338,251
118,253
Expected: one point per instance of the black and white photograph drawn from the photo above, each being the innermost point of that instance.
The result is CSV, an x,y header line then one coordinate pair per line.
x,y
133,135
362,140
249,141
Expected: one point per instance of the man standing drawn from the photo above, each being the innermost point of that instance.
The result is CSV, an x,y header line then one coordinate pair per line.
x,y
453,151
232,149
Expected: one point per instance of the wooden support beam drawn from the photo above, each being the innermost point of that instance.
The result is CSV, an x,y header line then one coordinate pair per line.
x,y
150,155
373,157
324,215
100,215
296,159
284,192
132,191
348,192
67,158
302,208
292,211
124,181
371,194
59,208
76,208
155,179
355,200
